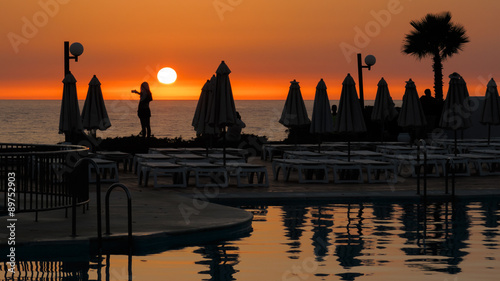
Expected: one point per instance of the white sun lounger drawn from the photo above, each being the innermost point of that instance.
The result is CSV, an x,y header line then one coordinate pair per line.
x,y
177,172
248,171
301,166
217,174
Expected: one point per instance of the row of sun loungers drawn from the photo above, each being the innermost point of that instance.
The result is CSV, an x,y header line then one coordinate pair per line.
x,y
381,162
206,168
334,163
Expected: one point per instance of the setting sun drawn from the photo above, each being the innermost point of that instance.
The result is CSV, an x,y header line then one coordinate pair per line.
x,y
167,75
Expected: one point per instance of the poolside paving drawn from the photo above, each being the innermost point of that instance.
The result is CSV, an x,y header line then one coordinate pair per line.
x,y
184,216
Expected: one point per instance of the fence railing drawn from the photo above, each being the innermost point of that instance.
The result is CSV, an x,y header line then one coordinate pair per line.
x,y
39,176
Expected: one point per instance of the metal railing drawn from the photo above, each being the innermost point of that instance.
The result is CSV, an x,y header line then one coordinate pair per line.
x,y
38,175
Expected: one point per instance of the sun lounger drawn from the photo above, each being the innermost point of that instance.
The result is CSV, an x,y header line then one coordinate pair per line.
x,y
302,154
335,154
409,165
484,165
271,150
395,149
118,157
168,150
367,154
249,171
305,169
105,167
149,157
217,174
189,157
344,171
219,157
375,168
436,164
177,172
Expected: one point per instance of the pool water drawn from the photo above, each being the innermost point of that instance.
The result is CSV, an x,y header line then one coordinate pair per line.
x,y
357,241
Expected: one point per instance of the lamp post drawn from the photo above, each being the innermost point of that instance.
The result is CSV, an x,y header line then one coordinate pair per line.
x,y
76,50
369,60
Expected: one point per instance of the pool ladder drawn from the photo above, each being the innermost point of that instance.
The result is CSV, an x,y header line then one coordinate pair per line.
x,y
129,209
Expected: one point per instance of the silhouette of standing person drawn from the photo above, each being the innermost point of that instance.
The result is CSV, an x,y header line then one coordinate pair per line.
x,y
430,108
334,113
143,110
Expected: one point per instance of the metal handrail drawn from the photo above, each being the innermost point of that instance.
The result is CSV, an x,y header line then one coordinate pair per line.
x,y
420,165
450,165
40,171
129,210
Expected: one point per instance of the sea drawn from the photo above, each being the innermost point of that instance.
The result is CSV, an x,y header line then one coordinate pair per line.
x,y
37,121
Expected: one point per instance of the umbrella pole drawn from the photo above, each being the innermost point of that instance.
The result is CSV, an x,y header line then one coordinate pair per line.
x,y
224,145
489,133
209,143
382,135
349,150
456,151
319,142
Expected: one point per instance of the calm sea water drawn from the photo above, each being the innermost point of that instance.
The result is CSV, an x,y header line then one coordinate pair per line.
x,y
34,121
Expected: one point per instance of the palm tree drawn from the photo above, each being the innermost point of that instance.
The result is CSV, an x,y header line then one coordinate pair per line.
x,y
435,36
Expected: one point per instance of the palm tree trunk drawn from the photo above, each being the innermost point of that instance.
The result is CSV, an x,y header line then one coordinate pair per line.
x,y
437,66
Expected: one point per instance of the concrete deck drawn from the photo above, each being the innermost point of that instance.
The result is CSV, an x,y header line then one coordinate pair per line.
x,y
164,218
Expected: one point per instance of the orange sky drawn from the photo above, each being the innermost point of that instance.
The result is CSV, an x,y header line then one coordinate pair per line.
x,y
266,44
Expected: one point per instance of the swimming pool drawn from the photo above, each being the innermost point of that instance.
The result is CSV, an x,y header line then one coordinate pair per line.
x,y
348,241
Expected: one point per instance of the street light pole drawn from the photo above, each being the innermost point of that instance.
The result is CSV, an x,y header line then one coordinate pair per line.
x,y
76,50
369,60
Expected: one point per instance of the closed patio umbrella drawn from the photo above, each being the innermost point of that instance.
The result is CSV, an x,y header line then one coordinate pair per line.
x,y
222,108
411,115
94,114
456,113
70,122
322,120
491,108
294,112
350,119
201,114
383,108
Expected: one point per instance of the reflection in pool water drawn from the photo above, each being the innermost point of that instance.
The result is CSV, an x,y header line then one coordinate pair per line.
x,y
358,241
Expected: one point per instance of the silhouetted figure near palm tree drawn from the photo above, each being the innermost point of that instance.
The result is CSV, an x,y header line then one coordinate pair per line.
x,y
435,36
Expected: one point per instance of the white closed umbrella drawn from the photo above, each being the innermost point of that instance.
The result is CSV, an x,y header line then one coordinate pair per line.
x,y
94,113
70,122
490,114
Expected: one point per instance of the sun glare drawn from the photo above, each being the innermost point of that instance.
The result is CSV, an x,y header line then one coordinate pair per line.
x,y
167,75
